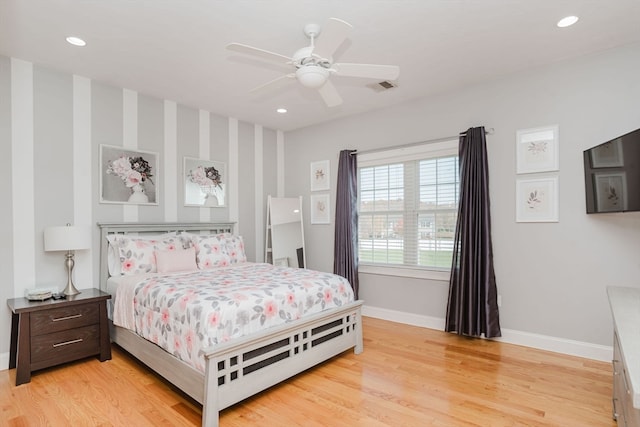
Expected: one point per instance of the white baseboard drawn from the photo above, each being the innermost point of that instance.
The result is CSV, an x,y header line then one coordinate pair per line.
x,y
4,361
527,339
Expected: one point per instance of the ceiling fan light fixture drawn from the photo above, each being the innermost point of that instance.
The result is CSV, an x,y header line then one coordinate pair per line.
x,y
312,76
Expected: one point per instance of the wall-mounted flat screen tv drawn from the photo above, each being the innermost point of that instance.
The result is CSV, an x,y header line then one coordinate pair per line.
x,y
612,175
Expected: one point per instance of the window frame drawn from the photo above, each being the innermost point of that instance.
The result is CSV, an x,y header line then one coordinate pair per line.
x,y
421,151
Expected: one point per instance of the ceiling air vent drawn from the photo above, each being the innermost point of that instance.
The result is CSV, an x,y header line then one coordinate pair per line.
x,y
383,85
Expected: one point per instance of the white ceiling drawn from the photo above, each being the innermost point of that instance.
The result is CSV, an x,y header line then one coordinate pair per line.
x,y
175,49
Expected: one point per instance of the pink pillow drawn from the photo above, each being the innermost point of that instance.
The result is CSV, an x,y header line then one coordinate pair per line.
x,y
176,260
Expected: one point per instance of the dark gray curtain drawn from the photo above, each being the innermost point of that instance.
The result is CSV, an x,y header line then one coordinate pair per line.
x,y
345,250
473,306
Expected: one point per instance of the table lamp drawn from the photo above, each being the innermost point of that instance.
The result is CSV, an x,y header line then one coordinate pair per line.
x,y
67,238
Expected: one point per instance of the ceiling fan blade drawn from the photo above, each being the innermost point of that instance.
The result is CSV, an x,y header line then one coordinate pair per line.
x,y
260,53
274,84
329,94
331,37
371,71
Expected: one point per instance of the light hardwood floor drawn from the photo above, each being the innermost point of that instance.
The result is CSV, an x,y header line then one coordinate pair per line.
x,y
407,376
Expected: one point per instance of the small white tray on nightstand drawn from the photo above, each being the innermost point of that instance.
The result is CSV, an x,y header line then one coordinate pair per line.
x,y
39,294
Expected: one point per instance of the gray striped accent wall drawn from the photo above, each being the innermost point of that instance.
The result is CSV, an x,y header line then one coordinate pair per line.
x,y
51,127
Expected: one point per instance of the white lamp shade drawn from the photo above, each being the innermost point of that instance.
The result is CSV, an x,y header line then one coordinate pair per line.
x,y
67,238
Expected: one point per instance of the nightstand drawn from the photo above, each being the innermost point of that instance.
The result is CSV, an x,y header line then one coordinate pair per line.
x,y
51,332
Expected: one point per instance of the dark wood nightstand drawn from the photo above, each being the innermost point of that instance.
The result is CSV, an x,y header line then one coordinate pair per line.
x,y
51,332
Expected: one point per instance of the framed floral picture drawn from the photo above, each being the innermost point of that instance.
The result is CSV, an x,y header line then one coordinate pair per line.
x,y
204,183
320,176
320,209
537,149
128,176
537,200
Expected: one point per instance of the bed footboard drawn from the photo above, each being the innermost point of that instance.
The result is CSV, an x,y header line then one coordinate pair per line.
x,y
242,368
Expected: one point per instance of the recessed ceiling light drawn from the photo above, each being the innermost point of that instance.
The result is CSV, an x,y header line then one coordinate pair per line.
x,y
76,41
567,21
281,110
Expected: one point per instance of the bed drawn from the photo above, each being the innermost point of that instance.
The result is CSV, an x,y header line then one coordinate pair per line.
x,y
236,368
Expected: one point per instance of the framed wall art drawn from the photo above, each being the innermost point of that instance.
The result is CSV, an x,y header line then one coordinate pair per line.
x,y
537,150
204,183
320,209
128,176
537,199
320,176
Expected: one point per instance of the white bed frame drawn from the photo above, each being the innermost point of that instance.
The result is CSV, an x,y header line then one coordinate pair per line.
x,y
243,367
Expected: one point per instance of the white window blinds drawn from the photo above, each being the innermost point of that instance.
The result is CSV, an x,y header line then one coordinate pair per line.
x,y
408,200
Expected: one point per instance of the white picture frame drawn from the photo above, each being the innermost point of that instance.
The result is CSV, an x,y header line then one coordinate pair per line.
x,y
320,175
537,150
204,183
537,199
607,155
611,191
320,209
128,176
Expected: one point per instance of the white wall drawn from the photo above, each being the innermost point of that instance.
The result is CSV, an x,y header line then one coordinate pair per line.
x,y
51,128
552,276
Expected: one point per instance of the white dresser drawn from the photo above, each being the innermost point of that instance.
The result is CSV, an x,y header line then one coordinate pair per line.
x,y
625,307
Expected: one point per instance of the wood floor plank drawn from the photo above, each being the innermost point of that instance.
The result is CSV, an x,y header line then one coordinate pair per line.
x,y
406,376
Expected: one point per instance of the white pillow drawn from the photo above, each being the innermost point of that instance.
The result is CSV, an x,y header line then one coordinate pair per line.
x,y
113,255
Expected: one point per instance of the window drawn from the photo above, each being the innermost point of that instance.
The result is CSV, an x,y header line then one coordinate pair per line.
x,y
408,206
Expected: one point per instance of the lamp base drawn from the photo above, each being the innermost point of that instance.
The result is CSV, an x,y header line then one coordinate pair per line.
x,y
70,290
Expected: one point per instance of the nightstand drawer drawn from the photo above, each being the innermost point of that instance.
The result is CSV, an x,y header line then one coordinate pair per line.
x,y
63,318
63,346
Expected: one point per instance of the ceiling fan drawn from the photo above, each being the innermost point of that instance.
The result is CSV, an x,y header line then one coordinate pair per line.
x,y
313,64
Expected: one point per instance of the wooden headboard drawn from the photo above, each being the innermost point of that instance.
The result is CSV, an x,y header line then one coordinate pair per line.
x,y
141,228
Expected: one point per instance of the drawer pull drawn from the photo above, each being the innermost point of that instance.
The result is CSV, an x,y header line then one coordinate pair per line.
x,y
75,316
60,344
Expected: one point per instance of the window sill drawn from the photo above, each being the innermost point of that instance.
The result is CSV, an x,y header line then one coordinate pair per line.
x,y
416,273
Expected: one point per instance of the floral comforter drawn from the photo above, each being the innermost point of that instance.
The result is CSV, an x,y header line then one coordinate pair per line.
x,y
189,312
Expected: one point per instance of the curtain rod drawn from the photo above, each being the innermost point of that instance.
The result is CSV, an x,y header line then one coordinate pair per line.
x,y
413,144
